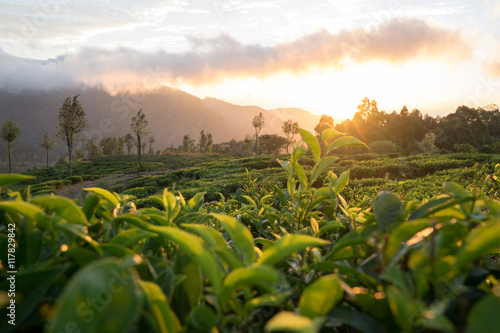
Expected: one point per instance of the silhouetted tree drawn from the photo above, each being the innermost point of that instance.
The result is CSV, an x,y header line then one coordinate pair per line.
x,y
10,132
93,149
151,142
290,128
140,128
258,123
202,141
271,144
47,143
129,142
71,122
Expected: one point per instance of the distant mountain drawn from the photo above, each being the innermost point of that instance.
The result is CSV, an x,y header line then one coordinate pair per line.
x,y
171,113
240,117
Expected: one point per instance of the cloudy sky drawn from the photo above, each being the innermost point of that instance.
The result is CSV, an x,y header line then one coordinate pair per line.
x,y
323,56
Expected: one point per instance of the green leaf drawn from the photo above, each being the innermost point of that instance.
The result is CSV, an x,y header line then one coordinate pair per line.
x,y
104,194
161,316
63,207
195,202
24,208
287,245
312,143
301,174
298,152
341,182
203,318
322,166
241,236
193,246
292,322
287,167
320,296
403,308
129,238
209,235
11,178
457,190
484,315
101,297
343,142
172,207
389,210
403,232
355,237
257,275
329,134
479,242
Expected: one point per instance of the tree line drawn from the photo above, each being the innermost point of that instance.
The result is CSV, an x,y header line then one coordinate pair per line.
x,y
465,130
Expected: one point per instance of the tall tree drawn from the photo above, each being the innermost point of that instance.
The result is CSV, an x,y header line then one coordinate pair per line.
x,y
187,143
258,123
121,143
129,142
290,128
210,142
140,128
47,143
202,142
151,142
10,132
71,122
324,123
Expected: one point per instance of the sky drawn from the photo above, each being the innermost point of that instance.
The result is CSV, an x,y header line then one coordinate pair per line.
x,y
322,56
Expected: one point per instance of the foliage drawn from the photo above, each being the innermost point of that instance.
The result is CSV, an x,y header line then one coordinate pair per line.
x,y
297,257
258,123
384,147
10,132
71,121
48,143
289,128
139,126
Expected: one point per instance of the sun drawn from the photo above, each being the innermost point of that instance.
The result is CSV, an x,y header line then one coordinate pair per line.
x,y
335,92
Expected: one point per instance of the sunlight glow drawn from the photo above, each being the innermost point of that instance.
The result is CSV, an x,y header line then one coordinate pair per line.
x,y
338,92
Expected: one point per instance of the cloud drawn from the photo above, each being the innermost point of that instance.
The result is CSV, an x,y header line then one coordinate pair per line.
x,y
212,59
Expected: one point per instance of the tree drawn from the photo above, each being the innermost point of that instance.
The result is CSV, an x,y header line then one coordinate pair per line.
x,y
187,143
258,123
210,142
10,132
93,149
271,144
151,142
202,142
129,142
140,128
71,122
290,128
120,144
324,123
47,143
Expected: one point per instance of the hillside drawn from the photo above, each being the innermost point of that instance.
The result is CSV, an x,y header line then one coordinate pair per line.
x,y
172,113
240,117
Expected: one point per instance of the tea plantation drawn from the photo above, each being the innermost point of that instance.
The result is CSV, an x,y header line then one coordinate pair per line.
x,y
307,242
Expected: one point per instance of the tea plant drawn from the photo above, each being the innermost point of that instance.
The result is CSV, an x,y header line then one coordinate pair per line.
x,y
295,258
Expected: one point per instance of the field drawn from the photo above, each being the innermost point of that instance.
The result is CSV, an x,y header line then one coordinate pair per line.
x,y
306,242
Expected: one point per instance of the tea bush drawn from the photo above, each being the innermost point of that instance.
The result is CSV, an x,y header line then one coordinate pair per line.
x,y
297,257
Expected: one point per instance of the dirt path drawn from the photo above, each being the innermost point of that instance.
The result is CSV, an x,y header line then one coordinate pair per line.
x,y
76,191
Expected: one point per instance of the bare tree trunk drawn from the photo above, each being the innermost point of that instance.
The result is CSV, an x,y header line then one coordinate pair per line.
x,y
8,151
139,147
70,148
47,157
